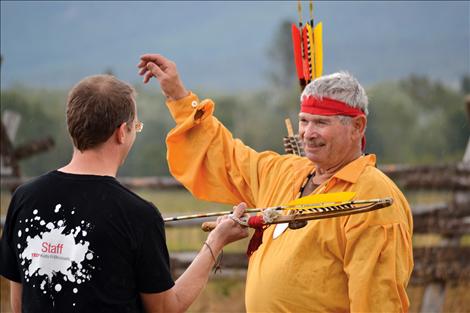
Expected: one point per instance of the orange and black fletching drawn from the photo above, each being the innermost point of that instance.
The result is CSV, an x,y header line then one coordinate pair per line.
x,y
297,49
306,62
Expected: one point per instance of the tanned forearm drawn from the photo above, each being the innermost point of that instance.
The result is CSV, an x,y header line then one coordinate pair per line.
x,y
188,287
191,283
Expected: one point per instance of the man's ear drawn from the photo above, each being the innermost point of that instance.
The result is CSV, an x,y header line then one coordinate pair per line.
x,y
121,132
359,124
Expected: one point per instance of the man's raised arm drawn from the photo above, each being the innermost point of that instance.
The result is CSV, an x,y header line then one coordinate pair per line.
x,y
202,154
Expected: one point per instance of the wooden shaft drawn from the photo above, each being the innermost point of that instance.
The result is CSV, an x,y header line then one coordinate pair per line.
x,y
306,206
290,130
299,10
208,226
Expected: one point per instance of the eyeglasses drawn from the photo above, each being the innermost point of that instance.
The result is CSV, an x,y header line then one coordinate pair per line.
x,y
139,126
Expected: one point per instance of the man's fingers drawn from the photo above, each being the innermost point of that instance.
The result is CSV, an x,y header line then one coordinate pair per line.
x,y
220,219
155,58
147,77
143,70
153,70
166,73
141,64
152,65
142,67
238,210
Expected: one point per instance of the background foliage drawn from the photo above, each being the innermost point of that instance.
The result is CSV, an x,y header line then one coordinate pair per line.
x,y
413,120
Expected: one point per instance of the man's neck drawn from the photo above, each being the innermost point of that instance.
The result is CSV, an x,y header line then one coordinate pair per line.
x,y
92,162
323,173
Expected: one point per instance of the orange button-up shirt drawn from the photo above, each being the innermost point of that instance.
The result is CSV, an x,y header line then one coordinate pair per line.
x,y
356,263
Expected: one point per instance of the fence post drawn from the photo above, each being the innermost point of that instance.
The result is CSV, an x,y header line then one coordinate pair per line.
x,y
434,293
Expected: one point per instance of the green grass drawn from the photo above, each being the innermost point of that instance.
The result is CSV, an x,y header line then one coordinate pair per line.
x,y
179,201
172,202
222,296
167,201
424,197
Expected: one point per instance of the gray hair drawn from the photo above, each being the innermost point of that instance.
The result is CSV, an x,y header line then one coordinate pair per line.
x,y
340,86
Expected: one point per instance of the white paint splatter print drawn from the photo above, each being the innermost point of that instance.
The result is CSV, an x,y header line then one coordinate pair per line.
x,y
55,255
53,252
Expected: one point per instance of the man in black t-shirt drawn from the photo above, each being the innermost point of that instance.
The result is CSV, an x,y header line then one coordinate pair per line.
x,y
76,240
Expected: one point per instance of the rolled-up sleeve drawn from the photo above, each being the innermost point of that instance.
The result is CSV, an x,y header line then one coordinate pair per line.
x,y
203,155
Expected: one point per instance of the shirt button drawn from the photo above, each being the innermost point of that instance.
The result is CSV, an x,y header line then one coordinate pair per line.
x,y
194,104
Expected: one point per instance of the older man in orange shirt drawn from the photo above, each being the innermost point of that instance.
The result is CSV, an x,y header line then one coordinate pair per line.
x,y
357,263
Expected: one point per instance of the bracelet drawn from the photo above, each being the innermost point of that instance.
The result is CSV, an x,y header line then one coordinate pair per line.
x,y
218,261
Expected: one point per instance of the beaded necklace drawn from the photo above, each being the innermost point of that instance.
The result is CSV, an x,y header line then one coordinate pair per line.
x,y
304,184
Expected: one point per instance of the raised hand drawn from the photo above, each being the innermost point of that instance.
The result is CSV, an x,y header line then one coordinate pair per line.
x,y
165,71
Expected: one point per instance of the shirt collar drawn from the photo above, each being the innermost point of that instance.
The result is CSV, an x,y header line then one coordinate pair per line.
x,y
353,170
350,173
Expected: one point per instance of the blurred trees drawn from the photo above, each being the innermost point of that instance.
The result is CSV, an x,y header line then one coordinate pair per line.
x,y
42,114
414,120
282,73
465,84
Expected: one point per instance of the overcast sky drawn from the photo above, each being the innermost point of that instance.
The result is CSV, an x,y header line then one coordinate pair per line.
x,y
223,45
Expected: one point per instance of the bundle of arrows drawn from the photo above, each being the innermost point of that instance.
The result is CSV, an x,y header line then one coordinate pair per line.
x,y
307,43
308,48
292,142
298,211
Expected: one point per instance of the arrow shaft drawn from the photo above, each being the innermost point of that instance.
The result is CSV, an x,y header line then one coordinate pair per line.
x,y
316,207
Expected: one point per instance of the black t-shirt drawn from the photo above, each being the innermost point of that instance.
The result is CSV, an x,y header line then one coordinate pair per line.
x,y
83,243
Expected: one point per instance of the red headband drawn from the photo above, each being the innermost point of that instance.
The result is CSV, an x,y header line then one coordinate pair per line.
x,y
327,106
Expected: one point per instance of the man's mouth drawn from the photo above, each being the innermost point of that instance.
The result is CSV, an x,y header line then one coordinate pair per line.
x,y
314,145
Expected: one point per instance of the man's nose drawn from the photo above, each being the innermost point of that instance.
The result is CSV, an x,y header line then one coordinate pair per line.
x,y
310,131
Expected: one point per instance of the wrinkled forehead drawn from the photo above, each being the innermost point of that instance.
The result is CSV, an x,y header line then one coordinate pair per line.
x,y
309,116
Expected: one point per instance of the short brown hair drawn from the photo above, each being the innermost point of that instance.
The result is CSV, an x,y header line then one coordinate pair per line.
x,y
96,106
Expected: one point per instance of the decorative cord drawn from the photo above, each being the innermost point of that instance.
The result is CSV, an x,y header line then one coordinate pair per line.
x,y
218,260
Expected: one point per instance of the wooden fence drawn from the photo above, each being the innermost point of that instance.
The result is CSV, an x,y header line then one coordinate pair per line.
x,y
438,268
